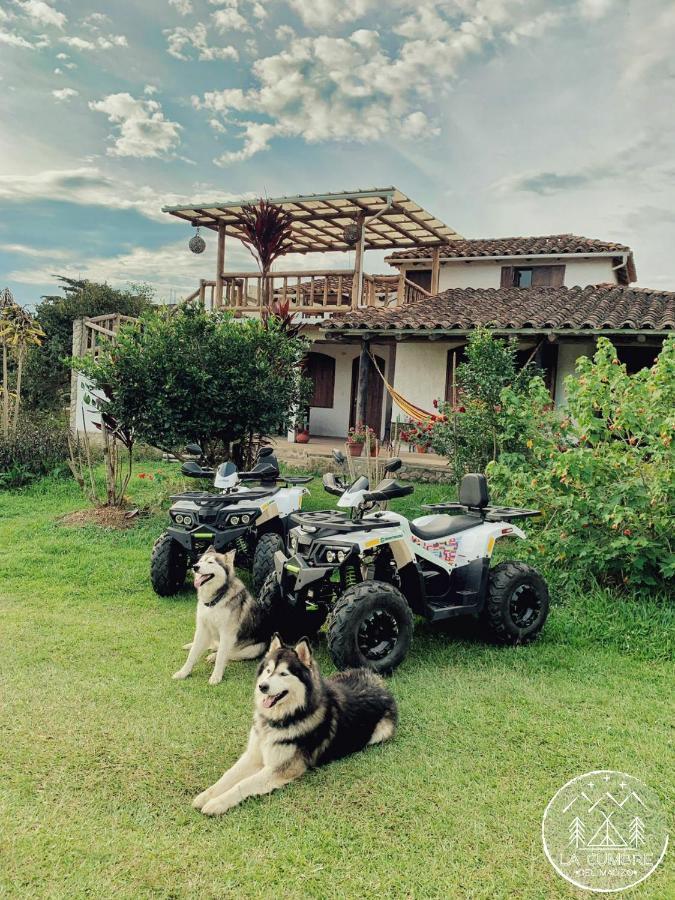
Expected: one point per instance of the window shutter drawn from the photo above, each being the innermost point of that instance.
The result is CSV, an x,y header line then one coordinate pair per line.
x,y
507,277
321,370
421,277
548,276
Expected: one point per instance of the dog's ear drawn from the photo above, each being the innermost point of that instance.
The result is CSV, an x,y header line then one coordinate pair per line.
x,y
275,643
209,549
230,557
304,652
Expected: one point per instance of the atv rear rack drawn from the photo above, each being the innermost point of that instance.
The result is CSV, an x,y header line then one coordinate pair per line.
x,y
204,498
336,520
488,513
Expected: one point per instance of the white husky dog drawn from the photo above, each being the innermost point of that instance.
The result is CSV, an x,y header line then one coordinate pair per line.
x,y
229,619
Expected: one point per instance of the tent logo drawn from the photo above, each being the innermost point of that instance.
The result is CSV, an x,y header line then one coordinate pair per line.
x,y
605,831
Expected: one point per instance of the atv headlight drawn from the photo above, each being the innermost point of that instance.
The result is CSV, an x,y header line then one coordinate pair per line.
x,y
245,520
333,555
234,520
179,518
187,520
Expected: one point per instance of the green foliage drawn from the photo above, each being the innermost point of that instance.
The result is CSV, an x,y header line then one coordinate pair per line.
x,y
188,375
603,475
47,376
38,446
471,429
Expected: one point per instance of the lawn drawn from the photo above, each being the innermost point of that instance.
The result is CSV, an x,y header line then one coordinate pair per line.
x,y
102,752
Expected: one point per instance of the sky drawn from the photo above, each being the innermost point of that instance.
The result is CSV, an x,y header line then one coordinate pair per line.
x,y
502,117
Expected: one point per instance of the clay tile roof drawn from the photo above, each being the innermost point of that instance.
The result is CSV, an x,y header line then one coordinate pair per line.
x,y
604,307
551,244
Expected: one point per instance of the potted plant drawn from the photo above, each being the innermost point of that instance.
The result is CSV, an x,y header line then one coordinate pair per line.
x,y
302,436
418,434
356,438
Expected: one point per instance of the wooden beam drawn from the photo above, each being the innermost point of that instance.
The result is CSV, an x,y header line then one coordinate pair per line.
x,y
362,391
220,267
357,284
435,269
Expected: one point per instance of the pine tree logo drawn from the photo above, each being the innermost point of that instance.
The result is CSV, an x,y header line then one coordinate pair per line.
x,y
605,831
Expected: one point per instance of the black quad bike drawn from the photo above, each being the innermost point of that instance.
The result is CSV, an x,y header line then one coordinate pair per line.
x,y
253,520
368,571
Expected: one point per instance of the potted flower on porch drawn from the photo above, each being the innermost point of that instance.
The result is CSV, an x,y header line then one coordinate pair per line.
x,y
358,436
418,434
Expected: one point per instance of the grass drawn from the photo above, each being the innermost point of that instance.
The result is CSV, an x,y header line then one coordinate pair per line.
x,y
102,752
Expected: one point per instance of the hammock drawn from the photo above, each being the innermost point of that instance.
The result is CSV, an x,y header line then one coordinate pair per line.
x,y
412,411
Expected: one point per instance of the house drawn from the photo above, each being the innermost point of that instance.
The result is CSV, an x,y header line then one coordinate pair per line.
x,y
555,294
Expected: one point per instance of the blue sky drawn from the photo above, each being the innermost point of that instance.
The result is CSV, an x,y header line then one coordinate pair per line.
x,y
502,117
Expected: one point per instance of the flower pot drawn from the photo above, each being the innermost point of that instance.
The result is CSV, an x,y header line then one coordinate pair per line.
x,y
354,448
302,437
374,450
421,448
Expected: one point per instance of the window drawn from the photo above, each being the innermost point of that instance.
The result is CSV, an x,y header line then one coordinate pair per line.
x,y
637,357
532,276
320,368
422,277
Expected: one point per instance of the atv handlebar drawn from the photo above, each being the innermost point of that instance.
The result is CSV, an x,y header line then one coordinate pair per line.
x,y
388,490
192,469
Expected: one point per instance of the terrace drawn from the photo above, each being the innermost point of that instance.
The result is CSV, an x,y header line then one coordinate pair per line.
x,y
377,219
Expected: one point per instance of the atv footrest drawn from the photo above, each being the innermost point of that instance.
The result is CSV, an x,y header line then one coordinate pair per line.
x,y
437,610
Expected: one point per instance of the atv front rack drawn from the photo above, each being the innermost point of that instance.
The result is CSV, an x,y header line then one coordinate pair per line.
x,y
204,498
488,513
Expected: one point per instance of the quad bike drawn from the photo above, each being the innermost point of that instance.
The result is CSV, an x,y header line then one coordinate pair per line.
x,y
369,571
252,520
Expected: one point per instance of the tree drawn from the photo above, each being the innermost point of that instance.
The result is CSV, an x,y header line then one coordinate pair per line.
x,y
18,332
47,374
637,832
266,232
186,375
576,830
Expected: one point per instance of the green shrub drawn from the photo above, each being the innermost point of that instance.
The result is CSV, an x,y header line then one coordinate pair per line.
x,y
471,430
603,474
38,447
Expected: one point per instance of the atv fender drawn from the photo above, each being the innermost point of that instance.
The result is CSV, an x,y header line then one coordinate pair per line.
x,y
269,512
402,553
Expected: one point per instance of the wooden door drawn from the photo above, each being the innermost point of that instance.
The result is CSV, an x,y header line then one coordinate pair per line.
x,y
374,397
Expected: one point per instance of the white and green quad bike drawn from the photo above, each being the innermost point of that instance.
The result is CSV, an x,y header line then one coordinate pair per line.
x,y
254,521
368,571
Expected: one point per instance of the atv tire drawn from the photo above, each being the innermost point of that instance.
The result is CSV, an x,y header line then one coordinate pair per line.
x,y
291,623
263,559
371,625
517,604
168,566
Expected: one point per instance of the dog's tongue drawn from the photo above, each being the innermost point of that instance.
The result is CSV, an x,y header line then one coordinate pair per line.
x,y
269,701
199,580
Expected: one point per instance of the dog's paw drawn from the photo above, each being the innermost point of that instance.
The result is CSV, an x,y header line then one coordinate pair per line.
x,y
187,646
215,679
211,657
201,800
216,807
180,675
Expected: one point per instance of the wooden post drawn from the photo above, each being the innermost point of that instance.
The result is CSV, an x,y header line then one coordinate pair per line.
x,y
362,391
388,400
400,293
435,269
220,266
79,349
357,283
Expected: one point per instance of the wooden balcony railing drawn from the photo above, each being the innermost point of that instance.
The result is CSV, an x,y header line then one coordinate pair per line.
x,y
312,293
100,330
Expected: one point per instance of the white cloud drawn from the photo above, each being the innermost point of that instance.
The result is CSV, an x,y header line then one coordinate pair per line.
x,y
14,40
594,9
179,39
39,252
58,71
150,89
65,94
42,13
325,13
183,7
143,132
102,42
94,21
89,186
230,19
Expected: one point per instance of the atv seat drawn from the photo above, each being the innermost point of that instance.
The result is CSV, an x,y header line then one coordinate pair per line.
x,y
441,526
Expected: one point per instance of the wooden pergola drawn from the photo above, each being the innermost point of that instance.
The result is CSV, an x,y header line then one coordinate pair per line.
x,y
386,219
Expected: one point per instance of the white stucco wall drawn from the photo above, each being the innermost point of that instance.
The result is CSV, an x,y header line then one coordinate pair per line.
x,y
85,414
486,274
420,373
335,421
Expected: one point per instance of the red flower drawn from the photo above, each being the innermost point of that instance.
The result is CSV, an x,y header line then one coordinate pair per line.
x,y
435,404
142,475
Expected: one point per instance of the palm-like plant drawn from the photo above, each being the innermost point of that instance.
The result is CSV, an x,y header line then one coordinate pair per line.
x,y
266,231
18,331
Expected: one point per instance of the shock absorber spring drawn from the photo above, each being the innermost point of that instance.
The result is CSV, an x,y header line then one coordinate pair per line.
x,y
240,544
350,576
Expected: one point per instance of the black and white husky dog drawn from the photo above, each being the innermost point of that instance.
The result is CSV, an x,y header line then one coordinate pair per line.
x,y
301,720
229,620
